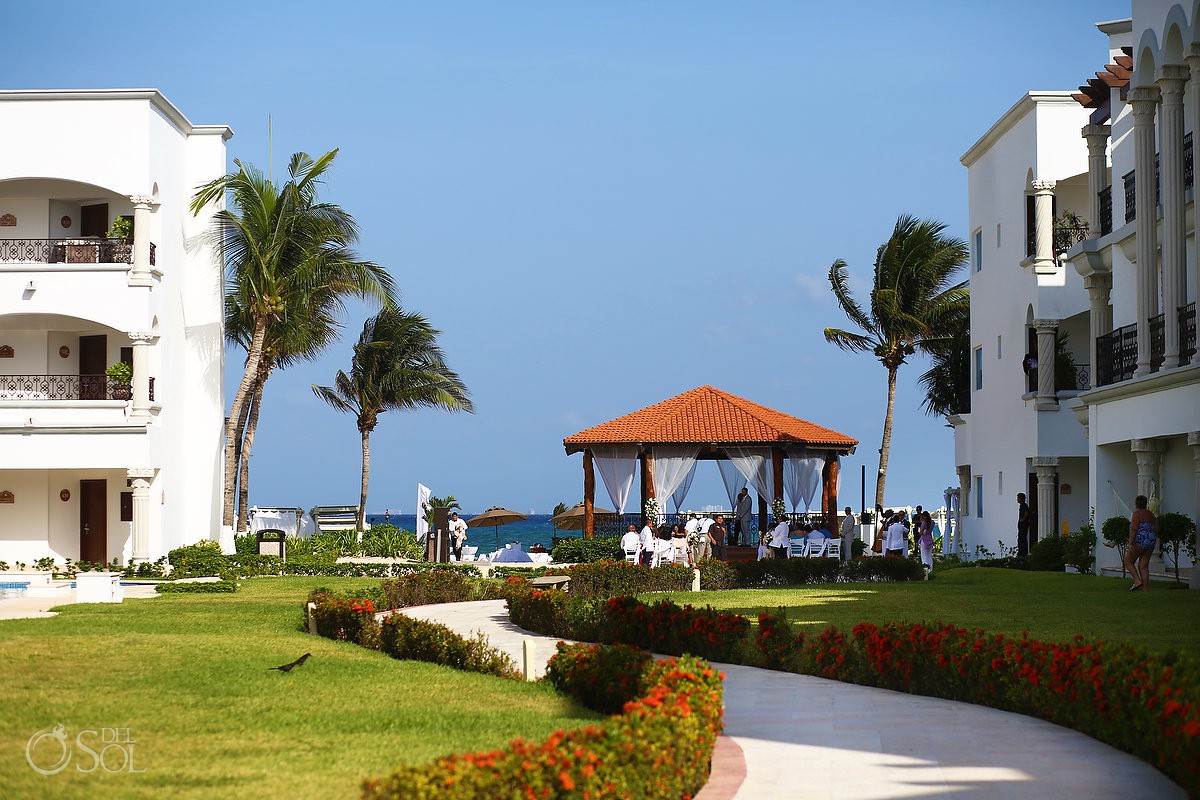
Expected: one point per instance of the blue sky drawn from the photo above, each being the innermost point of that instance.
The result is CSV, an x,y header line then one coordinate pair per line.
x,y
601,205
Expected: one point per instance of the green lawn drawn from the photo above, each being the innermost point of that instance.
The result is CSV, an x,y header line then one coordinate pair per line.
x,y
187,675
1050,606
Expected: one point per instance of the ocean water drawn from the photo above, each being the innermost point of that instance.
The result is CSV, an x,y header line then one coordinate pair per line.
x,y
536,530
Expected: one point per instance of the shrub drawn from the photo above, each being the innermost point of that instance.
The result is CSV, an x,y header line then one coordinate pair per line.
x,y
660,746
668,628
602,678
247,544
777,642
197,560
430,586
619,578
716,574
388,541
210,587
1079,549
578,551
1176,532
349,618
403,637
1048,555
882,570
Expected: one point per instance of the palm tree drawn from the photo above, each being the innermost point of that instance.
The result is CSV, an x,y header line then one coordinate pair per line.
x,y
915,305
947,382
397,364
281,247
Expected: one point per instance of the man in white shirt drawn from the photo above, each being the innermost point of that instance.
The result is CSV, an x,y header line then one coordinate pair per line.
x,y
458,534
703,548
781,539
896,540
630,542
847,534
646,541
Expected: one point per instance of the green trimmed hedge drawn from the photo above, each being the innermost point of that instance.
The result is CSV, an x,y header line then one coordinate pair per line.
x,y
205,559
426,587
660,746
211,587
579,551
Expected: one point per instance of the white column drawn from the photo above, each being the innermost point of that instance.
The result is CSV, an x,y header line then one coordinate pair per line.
x,y
141,375
964,505
1099,289
140,481
1044,260
1047,397
1097,145
1046,468
140,275
1148,453
1171,79
1144,101
1193,59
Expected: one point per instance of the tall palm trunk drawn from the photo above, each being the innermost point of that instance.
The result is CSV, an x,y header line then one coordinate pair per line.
x,y
366,475
232,443
886,447
249,428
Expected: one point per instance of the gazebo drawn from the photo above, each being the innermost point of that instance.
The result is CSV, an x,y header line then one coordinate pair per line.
x,y
775,453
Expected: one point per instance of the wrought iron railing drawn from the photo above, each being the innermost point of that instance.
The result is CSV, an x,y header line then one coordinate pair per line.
x,y
1116,355
1106,210
1130,197
1158,342
1188,170
617,525
63,387
1187,333
70,251
1082,379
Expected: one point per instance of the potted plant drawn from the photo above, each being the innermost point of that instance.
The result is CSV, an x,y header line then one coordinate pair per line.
x,y
119,244
121,376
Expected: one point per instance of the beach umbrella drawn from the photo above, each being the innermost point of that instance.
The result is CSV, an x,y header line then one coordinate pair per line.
x,y
495,517
572,518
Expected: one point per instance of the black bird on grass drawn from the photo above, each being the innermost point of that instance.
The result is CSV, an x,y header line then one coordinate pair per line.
x,y
294,664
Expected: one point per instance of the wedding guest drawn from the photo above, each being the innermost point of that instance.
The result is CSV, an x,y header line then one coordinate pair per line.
x,y
896,538
781,539
925,540
848,522
717,537
1143,534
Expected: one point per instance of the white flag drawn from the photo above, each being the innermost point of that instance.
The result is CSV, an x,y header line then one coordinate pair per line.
x,y
422,507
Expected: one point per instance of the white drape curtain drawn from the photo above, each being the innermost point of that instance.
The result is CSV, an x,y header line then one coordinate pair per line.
x,y
617,466
680,494
801,478
754,463
733,481
673,463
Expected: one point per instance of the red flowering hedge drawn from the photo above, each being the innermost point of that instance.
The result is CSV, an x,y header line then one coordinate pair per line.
x,y
659,746
348,618
1144,704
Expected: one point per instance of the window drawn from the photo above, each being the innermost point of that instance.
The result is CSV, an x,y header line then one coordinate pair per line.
x,y
1000,483
999,351
979,496
978,368
997,234
977,249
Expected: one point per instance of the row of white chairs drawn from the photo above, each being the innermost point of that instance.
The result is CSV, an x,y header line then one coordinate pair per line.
x,y
816,548
664,553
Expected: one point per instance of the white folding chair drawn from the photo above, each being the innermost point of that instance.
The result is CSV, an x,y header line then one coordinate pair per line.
x,y
468,553
833,548
797,548
631,555
816,548
664,552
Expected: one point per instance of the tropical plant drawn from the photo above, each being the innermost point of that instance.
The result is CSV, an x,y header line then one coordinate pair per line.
x,y
558,509
1115,531
1079,549
914,305
397,365
283,251
947,382
121,373
1177,533
121,228
449,501
1069,230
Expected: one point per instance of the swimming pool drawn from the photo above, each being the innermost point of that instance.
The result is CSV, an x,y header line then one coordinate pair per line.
x,y
13,589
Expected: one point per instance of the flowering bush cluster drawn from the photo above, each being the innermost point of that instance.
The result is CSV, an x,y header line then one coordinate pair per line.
x,y
1142,704
602,678
618,578
350,618
659,746
668,628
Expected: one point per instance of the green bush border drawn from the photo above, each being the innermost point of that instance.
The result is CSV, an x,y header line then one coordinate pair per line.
x,y
209,587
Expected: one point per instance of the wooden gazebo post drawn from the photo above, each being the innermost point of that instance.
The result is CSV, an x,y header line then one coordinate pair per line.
x,y
829,495
589,496
777,472
647,460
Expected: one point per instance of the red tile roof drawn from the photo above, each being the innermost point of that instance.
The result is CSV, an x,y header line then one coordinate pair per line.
x,y
707,415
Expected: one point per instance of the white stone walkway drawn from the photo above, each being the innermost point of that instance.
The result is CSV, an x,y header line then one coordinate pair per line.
x,y
805,737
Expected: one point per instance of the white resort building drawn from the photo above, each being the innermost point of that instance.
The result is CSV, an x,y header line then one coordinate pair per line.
x,y
100,263
1085,383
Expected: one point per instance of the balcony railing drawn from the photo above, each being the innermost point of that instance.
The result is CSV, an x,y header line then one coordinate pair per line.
x,y
1082,379
1187,334
1116,355
1158,342
1130,198
1105,210
63,387
70,251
